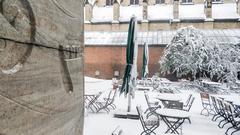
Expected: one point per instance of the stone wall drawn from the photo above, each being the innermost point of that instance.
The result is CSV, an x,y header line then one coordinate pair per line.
x,y
41,67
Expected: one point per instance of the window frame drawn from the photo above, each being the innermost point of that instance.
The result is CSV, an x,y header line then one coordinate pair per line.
x,y
187,2
109,2
160,1
134,2
217,1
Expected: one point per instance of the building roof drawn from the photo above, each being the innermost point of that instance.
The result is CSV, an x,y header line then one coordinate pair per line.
x,y
223,36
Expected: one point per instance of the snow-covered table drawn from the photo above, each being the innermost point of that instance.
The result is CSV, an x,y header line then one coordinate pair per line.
x,y
142,87
212,86
170,100
169,97
211,83
177,118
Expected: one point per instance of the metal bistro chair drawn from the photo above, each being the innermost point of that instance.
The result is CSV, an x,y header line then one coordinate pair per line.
x,y
92,103
152,106
108,102
188,100
233,118
223,111
206,104
149,124
217,109
189,105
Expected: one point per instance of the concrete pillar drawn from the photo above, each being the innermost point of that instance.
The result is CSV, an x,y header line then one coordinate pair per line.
x,y
116,11
208,9
41,67
176,9
145,9
88,11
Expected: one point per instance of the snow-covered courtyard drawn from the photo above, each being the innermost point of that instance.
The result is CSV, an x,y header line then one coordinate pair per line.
x,y
103,123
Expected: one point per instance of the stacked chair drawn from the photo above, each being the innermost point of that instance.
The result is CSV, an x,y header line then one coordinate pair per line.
x,y
107,103
226,114
97,104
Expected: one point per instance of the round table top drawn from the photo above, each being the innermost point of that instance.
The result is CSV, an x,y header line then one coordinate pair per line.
x,y
169,97
173,113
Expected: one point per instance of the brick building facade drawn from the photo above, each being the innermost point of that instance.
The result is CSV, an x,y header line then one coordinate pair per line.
x,y
159,16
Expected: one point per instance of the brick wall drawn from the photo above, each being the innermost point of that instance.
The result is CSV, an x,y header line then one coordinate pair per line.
x,y
107,59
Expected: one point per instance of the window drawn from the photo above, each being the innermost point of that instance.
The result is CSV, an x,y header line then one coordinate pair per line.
x,y
186,1
109,2
134,2
160,1
217,1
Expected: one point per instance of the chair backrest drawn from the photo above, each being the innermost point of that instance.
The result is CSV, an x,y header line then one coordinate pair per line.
x,y
229,110
188,99
220,104
147,99
140,114
215,104
190,104
97,96
205,98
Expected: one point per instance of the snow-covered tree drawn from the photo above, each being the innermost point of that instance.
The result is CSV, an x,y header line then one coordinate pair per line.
x,y
191,52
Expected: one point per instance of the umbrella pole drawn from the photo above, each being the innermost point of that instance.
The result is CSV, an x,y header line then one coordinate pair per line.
x,y
129,100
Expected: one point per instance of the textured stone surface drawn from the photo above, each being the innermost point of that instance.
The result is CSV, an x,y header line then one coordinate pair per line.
x,y
41,67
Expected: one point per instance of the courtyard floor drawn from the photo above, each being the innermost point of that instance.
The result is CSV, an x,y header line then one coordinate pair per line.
x,y
103,123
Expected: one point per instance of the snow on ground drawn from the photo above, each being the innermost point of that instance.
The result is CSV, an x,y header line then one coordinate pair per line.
x,y
103,123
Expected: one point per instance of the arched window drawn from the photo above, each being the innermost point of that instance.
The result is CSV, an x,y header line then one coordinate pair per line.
x,y
134,2
109,2
160,1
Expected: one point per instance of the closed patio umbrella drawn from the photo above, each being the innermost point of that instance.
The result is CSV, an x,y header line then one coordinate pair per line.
x,y
130,75
145,61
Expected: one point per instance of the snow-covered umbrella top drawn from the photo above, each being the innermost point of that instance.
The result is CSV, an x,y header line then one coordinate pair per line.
x,y
145,61
130,75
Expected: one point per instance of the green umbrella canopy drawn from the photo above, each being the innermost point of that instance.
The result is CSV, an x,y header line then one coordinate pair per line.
x,y
145,61
131,54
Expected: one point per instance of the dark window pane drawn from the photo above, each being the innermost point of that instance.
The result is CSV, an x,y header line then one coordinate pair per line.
x,y
160,1
136,2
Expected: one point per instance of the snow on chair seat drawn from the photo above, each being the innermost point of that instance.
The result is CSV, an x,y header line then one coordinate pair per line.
x,y
149,124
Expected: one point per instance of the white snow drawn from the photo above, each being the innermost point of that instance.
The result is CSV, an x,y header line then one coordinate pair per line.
x,y
103,123
102,14
160,12
92,2
195,11
126,12
224,11
173,113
